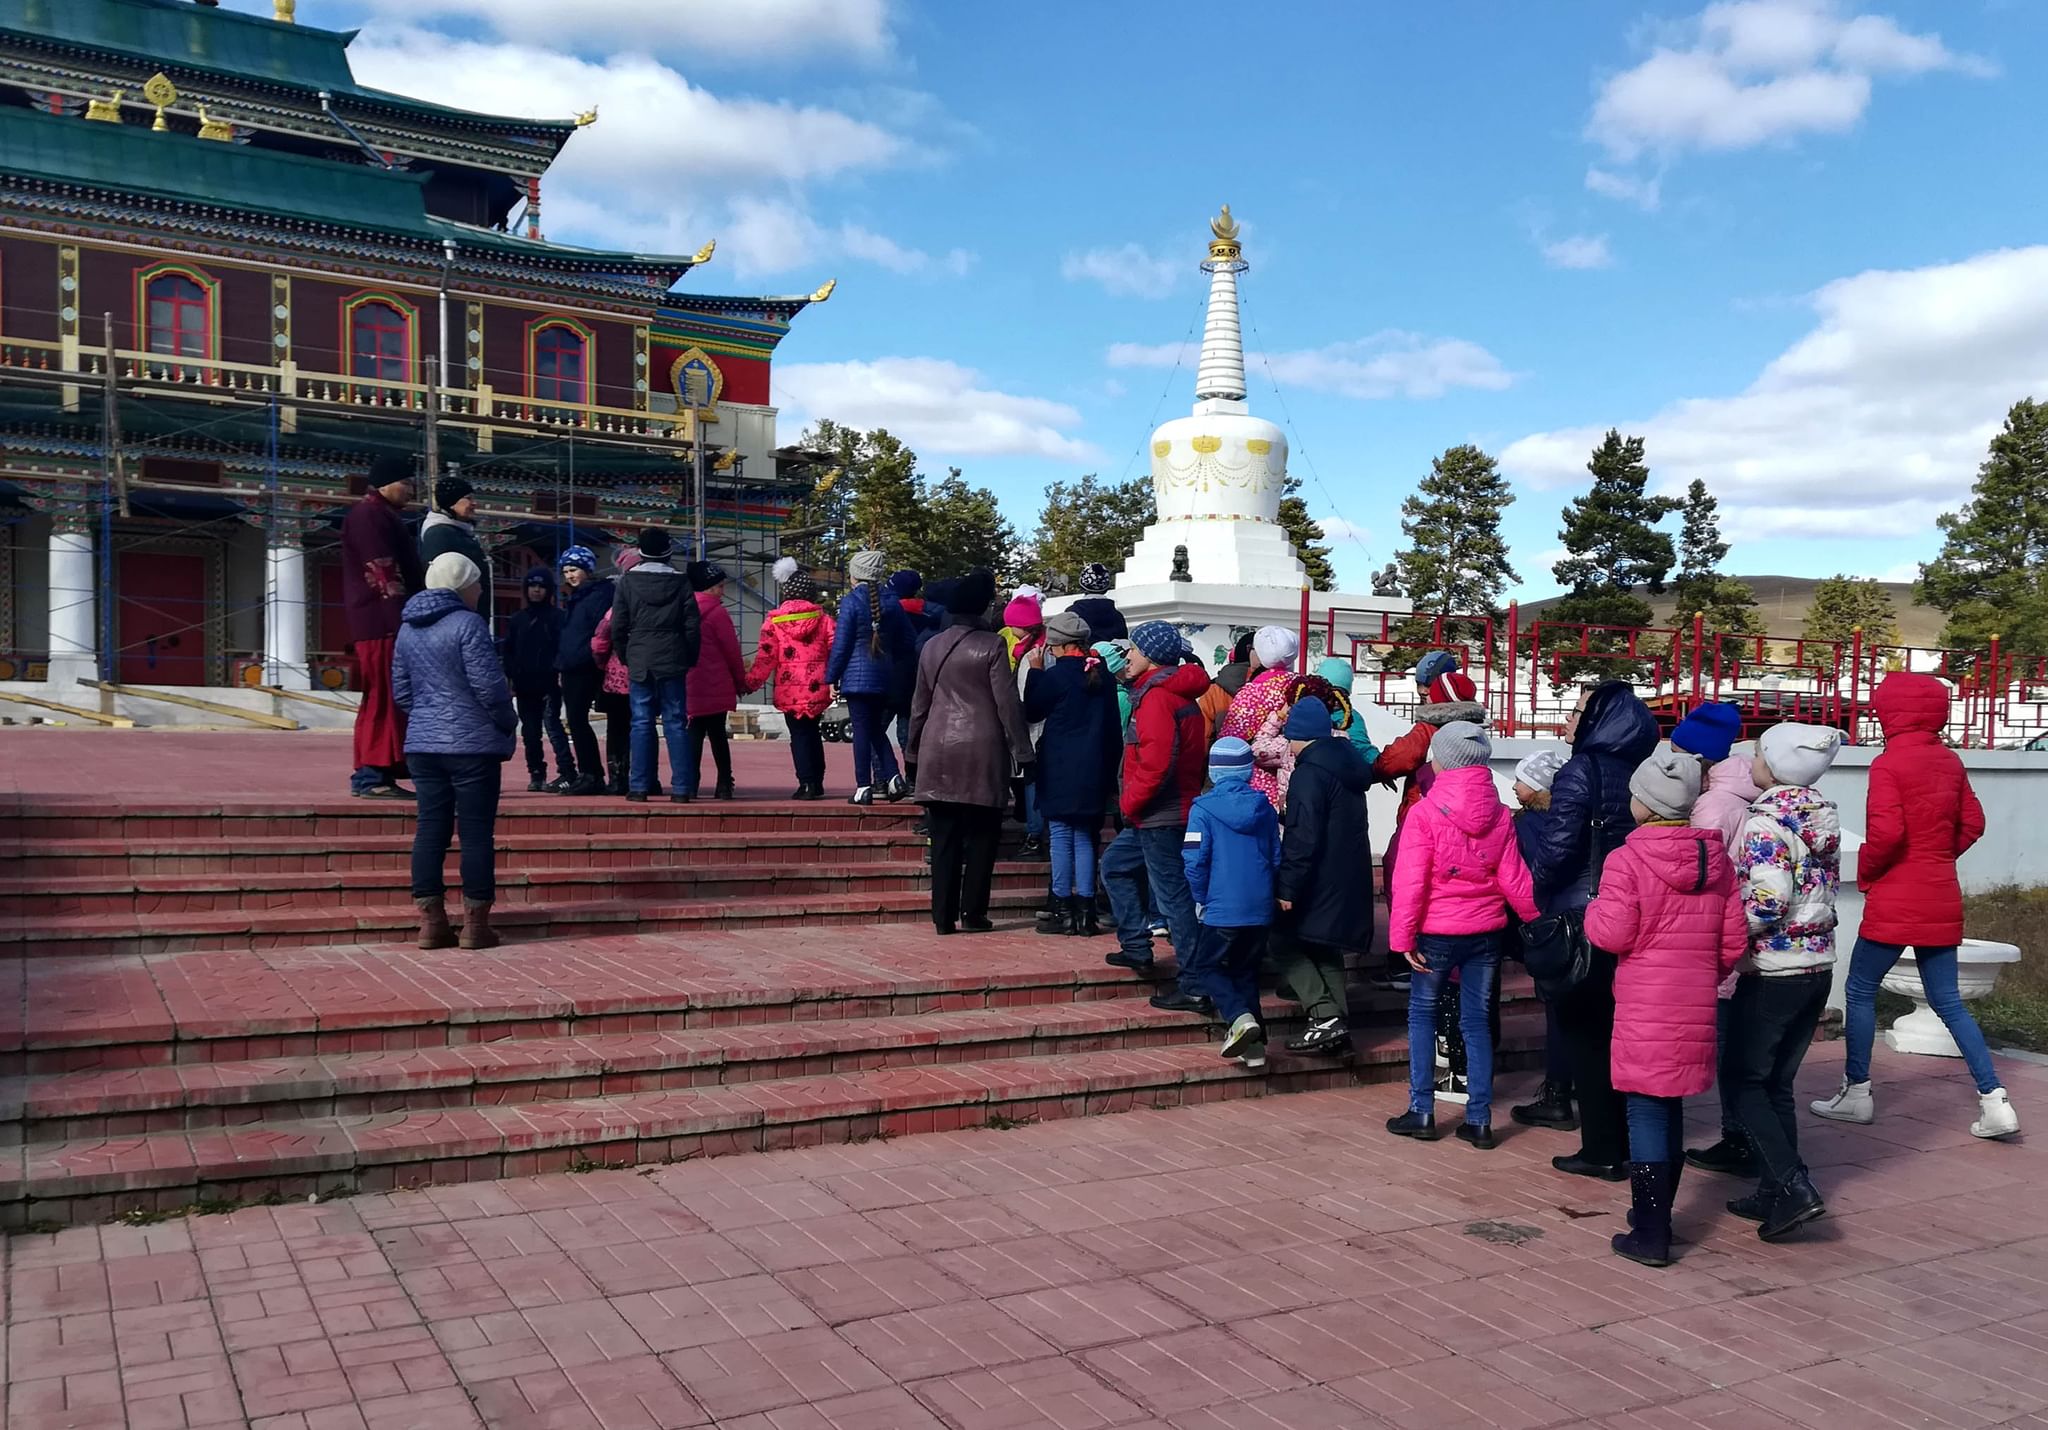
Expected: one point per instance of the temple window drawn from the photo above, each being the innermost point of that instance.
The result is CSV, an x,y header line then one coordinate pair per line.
x,y
178,314
560,362
379,341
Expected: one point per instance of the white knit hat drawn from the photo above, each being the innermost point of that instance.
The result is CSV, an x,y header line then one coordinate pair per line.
x,y
452,571
1799,754
1538,770
1275,646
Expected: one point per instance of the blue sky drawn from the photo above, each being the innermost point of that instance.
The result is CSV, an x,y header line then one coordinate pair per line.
x,y
1800,246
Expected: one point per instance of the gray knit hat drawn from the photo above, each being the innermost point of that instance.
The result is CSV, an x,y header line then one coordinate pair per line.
x,y
1068,629
1667,783
1460,743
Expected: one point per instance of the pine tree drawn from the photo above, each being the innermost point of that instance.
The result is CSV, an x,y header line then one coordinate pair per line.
x,y
1456,561
1307,536
874,496
1991,577
1841,604
960,528
1083,521
1612,546
1727,604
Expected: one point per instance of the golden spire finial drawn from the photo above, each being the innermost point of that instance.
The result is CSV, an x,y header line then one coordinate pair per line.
x,y
1224,226
703,255
826,291
587,118
163,94
283,11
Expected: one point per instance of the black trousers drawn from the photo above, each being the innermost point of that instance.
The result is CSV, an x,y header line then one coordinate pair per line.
x,y
712,728
806,748
458,794
580,689
1586,1017
538,712
964,838
1770,1027
618,730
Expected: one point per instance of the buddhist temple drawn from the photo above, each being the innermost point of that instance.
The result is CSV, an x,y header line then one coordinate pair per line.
x,y
231,276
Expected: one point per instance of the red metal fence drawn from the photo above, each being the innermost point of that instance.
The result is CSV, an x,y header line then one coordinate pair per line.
x,y
1528,675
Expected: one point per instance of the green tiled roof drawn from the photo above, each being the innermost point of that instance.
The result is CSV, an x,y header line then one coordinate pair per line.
x,y
178,34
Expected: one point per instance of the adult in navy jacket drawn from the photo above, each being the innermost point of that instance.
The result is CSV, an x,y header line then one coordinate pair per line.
x,y
1071,695
1611,732
582,677
872,643
459,732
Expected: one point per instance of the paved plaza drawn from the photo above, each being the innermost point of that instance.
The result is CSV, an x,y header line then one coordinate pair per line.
x,y
1268,1263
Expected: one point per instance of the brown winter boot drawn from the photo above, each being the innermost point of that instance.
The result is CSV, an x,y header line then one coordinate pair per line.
x,y
434,930
476,924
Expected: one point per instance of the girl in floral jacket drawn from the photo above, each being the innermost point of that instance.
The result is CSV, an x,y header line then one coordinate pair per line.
x,y
795,644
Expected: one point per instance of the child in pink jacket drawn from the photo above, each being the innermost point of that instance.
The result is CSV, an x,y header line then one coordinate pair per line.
x,y
1669,911
1459,872
1723,805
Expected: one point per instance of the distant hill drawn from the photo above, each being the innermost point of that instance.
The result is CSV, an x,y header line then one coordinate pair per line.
x,y
1782,602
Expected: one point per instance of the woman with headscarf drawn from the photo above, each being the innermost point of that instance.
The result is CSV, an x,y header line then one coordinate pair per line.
x,y
1273,649
872,641
967,733
459,732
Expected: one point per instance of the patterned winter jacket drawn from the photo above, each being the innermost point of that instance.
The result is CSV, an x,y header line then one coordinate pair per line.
x,y
796,639
1790,864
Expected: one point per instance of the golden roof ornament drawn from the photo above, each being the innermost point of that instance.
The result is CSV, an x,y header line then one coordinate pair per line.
x,y
703,255
106,111
1224,247
216,129
284,11
163,94
826,291
587,118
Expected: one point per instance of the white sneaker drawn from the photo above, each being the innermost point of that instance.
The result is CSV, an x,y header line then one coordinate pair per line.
x,y
1244,1031
1995,1117
1852,1104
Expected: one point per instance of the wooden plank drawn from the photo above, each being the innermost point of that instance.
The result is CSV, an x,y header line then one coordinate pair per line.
x,y
118,722
211,707
281,693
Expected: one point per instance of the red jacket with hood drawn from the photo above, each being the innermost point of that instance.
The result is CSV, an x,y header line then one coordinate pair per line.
x,y
1922,817
1167,758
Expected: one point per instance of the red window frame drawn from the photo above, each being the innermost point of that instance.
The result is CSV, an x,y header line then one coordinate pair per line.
x,y
387,360
560,345
180,311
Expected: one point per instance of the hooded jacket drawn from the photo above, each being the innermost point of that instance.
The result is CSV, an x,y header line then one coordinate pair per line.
x,y
1669,911
796,638
1724,804
380,568
533,635
1325,856
1790,863
1460,869
1166,754
1232,851
718,674
581,612
856,669
441,533
1081,740
1922,817
655,622
446,677
1616,733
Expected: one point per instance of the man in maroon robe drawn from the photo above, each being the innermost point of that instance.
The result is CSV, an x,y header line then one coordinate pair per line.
x,y
380,567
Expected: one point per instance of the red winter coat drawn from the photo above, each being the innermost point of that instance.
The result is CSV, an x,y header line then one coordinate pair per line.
x,y
1167,759
796,640
717,677
1669,909
1922,817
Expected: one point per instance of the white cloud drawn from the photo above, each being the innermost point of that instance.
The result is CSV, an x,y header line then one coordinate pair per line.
x,y
1129,271
1900,573
749,30
1747,72
1336,528
1580,250
1868,426
1645,194
937,406
1387,364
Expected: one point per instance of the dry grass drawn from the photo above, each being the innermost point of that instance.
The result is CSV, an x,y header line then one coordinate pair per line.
x,y
2016,1015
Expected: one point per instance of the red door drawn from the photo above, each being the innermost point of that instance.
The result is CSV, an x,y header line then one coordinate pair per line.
x,y
160,618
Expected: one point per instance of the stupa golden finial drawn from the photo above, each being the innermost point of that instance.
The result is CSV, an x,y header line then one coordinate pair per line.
x,y
703,255
825,291
587,118
1224,226
1224,247
163,94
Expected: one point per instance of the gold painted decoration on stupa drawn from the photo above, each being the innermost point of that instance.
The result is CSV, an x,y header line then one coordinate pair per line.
x,y
1160,449
163,94
1257,446
1206,445
106,111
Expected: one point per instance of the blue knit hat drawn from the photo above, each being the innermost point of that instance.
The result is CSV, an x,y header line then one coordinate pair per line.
x,y
581,557
1437,662
1158,642
1709,731
906,583
1308,720
1230,759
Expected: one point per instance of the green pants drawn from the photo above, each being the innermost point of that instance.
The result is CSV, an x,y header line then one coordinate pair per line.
x,y
1315,972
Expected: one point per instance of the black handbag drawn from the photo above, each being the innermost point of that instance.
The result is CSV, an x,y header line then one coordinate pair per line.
x,y
1555,949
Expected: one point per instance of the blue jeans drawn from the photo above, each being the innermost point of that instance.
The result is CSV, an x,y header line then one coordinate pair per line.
x,y
1656,1128
1476,956
874,762
1073,858
668,698
1156,854
1867,967
1230,966
1034,822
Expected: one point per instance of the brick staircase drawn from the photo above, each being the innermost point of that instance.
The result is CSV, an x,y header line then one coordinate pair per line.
x,y
211,1002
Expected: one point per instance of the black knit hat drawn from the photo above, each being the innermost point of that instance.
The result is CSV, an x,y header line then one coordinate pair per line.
x,y
655,544
703,575
388,468
450,490
973,594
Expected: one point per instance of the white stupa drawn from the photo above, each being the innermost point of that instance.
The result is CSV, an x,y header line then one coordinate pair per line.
x,y
1217,475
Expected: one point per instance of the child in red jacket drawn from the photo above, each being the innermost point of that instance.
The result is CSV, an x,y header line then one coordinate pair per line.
x,y
1669,911
795,643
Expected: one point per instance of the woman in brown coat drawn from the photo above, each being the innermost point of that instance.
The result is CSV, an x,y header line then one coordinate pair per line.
x,y
967,735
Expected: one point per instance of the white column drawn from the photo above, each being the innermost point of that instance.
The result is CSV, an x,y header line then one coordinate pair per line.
x,y
74,580
284,617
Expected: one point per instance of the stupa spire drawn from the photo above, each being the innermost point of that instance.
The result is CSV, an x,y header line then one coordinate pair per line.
x,y
1221,374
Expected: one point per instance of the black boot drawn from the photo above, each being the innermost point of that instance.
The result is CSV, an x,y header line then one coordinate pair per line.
x,y
617,787
1419,1125
1757,1205
1073,925
1730,1156
1649,1239
1055,917
723,790
1797,1203
1090,926
1578,1166
1552,1108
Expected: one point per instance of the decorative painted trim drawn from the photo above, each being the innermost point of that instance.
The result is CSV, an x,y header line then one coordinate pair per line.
x,y
641,393
68,295
473,346
345,360
281,317
148,274
534,329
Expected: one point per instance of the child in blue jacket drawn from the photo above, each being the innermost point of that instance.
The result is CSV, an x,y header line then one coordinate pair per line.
x,y
1232,852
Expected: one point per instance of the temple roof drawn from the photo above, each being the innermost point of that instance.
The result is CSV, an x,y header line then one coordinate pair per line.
x,y
289,188
180,37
